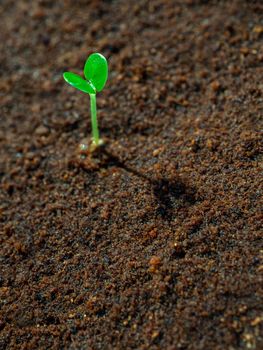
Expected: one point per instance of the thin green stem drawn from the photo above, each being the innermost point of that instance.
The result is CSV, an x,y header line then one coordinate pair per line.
x,y
94,122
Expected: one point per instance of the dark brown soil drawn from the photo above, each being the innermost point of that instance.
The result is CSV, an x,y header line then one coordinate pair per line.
x,y
159,244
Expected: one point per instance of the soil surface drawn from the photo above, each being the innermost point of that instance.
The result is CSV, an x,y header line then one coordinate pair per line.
x,y
155,242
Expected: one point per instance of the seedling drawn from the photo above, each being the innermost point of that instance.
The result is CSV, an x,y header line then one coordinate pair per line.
x,y
96,74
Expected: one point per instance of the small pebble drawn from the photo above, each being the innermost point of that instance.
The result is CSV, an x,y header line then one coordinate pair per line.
x,y
42,130
155,261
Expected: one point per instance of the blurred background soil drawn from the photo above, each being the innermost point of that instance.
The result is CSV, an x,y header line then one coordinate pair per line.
x,y
159,246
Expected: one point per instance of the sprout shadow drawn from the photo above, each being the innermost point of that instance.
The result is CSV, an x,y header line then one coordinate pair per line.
x,y
170,194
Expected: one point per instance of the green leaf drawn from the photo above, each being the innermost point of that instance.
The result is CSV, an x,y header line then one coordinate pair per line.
x,y
79,83
96,70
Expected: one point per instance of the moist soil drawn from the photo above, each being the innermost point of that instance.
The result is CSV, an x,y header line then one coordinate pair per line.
x,y
154,242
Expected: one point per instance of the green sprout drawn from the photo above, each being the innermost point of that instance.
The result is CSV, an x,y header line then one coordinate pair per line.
x,y
96,74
